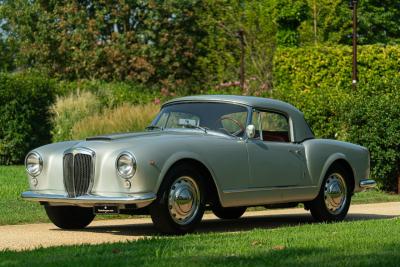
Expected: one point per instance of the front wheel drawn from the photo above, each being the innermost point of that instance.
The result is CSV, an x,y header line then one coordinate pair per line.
x,y
228,213
69,217
333,200
179,206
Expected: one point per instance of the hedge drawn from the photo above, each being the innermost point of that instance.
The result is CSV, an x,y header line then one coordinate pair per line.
x,y
372,119
317,80
25,118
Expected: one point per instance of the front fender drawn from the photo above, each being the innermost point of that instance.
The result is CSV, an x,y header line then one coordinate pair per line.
x,y
182,155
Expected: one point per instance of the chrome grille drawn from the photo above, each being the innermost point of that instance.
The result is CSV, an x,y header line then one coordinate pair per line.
x,y
78,171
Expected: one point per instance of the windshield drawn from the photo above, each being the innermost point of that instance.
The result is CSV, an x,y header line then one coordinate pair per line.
x,y
222,117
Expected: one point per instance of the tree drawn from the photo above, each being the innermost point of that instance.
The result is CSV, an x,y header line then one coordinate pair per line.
x,y
379,21
6,55
7,46
331,22
290,14
322,14
144,41
223,20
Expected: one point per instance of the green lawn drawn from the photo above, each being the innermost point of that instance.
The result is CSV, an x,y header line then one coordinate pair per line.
x,y
374,196
14,210
359,243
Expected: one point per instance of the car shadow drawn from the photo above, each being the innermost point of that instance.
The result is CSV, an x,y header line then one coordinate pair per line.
x,y
216,225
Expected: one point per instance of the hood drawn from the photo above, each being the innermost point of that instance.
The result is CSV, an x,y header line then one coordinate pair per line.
x,y
105,144
119,136
121,140
175,133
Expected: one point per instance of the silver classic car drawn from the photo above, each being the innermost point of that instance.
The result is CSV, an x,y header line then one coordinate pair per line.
x,y
219,152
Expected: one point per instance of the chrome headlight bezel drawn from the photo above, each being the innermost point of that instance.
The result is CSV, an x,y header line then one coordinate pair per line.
x,y
125,165
33,163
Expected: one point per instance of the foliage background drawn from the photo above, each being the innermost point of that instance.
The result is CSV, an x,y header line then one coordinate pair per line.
x,y
25,116
108,56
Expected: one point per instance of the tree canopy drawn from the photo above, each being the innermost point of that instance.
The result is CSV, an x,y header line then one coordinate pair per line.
x,y
179,42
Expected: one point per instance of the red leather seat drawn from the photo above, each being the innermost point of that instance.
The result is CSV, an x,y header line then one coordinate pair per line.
x,y
275,136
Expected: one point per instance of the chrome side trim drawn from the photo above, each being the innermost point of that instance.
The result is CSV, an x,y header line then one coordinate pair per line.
x,y
266,189
90,199
367,183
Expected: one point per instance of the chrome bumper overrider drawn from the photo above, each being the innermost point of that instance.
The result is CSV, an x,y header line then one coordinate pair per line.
x,y
140,200
367,183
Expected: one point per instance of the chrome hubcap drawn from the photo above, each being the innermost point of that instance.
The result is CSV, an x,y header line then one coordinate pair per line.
x,y
335,193
184,200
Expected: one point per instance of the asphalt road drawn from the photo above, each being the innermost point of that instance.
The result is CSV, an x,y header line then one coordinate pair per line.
x,y
30,236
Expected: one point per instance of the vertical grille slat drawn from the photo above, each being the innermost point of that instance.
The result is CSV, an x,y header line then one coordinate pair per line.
x,y
78,173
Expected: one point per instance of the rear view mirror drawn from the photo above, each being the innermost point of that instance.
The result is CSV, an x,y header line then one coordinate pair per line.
x,y
250,131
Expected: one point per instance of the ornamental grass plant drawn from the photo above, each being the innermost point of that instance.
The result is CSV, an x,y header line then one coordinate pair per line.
x,y
124,118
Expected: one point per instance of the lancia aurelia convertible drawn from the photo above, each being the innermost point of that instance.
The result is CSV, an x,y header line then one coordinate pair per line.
x,y
223,153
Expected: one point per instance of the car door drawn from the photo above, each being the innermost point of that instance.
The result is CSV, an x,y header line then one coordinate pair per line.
x,y
274,160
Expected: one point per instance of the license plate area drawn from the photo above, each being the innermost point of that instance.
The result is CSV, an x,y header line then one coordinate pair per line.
x,y
105,209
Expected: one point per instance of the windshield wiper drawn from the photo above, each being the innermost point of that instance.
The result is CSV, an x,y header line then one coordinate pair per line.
x,y
191,126
153,127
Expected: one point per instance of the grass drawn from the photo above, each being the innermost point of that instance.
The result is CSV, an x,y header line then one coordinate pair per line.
x,y
374,196
359,243
68,110
14,210
79,115
125,118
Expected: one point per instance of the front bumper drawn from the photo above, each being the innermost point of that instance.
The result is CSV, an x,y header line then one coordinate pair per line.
x,y
367,183
139,200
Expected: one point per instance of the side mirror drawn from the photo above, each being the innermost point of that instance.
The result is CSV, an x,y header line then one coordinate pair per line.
x,y
250,131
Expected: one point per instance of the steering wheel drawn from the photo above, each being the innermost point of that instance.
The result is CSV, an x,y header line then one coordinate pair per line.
x,y
238,123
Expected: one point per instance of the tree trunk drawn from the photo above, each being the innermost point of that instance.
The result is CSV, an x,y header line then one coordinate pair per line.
x,y
242,51
315,21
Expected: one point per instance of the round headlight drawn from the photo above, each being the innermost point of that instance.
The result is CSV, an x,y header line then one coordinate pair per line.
x,y
126,165
33,163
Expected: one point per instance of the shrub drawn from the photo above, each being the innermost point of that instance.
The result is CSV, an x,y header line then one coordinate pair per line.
x,y
69,110
25,120
317,80
125,118
372,120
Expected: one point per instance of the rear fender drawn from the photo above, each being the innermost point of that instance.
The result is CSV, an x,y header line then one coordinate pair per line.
x,y
328,164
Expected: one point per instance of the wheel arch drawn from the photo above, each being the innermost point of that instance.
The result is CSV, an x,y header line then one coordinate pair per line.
x,y
211,187
338,160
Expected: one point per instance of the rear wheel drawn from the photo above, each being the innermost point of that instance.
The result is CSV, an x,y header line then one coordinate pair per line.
x,y
333,200
179,206
228,213
69,217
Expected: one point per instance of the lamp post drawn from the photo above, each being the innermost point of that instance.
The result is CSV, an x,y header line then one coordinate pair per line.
x,y
242,45
353,6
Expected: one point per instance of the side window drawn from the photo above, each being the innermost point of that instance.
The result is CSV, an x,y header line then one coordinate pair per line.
x,y
271,126
234,123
